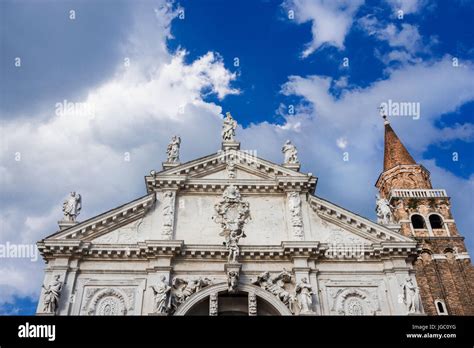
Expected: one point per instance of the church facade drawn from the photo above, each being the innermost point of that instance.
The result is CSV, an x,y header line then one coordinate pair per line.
x,y
234,234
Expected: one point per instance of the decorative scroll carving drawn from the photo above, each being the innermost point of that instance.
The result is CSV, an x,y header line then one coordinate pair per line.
x,y
296,219
168,214
182,289
231,170
51,295
290,152
213,304
232,213
275,285
252,304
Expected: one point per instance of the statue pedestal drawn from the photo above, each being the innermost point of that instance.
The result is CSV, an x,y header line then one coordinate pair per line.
x,y
158,314
169,165
293,166
227,145
66,224
308,314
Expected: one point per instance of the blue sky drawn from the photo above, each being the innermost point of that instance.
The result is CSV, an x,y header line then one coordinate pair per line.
x,y
182,78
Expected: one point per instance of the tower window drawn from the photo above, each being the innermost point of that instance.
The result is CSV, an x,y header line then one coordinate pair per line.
x,y
418,221
436,221
441,307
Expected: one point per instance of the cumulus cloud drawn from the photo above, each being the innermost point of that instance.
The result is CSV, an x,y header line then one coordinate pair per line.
x,y
104,156
330,20
351,123
104,150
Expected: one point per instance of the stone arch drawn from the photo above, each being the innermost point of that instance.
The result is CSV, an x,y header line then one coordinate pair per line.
x,y
197,297
108,292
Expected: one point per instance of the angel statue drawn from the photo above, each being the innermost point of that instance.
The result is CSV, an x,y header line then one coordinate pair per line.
x,y
72,206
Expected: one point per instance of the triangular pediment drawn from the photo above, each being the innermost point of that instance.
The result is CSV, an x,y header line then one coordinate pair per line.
x,y
215,170
344,223
125,215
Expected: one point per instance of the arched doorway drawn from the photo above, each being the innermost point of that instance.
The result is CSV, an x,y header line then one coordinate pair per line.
x,y
233,304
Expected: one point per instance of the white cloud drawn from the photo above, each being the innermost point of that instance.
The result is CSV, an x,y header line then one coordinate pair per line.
x,y
135,113
159,95
439,88
330,20
405,39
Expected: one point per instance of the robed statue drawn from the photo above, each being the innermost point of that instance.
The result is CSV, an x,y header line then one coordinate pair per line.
x,y
228,128
72,206
173,149
290,152
51,295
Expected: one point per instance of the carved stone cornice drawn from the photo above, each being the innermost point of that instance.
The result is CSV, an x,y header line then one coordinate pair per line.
x,y
355,223
80,249
107,221
270,177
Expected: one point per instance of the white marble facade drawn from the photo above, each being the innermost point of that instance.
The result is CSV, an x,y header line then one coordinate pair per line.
x,y
108,264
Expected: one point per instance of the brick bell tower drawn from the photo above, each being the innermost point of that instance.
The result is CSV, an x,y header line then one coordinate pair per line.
x,y
444,272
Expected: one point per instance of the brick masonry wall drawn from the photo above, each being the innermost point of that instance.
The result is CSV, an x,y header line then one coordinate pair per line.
x,y
450,279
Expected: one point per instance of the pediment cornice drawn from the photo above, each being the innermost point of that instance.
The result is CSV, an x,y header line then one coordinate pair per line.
x,y
110,220
269,177
355,223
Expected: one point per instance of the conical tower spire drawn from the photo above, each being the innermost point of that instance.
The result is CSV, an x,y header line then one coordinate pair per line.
x,y
395,153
